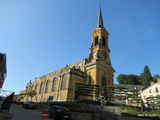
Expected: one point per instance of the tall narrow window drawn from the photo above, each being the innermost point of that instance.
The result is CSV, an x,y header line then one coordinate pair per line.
x,y
54,84
104,41
26,89
32,87
150,91
63,84
144,98
104,82
156,90
47,85
36,86
40,89
89,79
96,41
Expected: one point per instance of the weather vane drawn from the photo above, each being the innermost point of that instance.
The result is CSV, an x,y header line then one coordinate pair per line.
x,y
100,4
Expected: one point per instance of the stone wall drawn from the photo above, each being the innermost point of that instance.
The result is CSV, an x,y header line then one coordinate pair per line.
x,y
84,116
114,109
130,118
105,112
5,116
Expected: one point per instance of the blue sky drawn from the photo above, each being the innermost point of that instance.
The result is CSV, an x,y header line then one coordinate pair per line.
x,y
41,36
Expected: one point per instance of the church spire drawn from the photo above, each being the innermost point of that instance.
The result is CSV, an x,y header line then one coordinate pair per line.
x,y
100,20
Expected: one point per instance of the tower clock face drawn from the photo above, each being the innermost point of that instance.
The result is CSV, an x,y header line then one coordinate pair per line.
x,y
104,54
95,54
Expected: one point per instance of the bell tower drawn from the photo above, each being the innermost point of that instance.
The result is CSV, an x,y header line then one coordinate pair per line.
x,y
99,69
99,47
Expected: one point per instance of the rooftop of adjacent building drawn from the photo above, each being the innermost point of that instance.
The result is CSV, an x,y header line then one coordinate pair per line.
x,y
130,87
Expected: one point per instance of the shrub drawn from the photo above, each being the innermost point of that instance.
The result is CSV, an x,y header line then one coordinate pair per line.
x,y
123,107
73,106
86,101
110,104
146,112
155,111
133,110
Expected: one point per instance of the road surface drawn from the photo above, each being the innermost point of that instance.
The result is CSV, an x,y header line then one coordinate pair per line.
x,y
20,113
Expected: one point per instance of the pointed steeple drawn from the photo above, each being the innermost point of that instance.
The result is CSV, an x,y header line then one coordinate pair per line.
x,y
100,20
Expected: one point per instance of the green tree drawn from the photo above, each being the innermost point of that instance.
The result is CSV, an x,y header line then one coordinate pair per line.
x,y
109,92
154,102
155,77
120,94
135,98
129,79
122,78
133,80
83,89
146,77
32,94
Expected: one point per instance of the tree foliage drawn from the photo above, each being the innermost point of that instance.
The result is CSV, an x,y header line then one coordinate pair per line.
x,y
83,89
146,77
155,77
143,79
109,92
134,97
120,93
115,93
128,79
121,78
154,101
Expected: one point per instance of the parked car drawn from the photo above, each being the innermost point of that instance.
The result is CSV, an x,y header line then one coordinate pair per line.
x,y
59,112
29,104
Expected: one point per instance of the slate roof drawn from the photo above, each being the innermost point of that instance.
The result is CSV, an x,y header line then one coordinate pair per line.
x,y
100,20
130,87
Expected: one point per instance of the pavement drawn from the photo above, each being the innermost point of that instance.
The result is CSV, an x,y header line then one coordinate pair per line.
x,y
20,113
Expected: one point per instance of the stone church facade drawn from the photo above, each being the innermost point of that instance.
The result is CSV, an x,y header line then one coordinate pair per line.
x,y
95,69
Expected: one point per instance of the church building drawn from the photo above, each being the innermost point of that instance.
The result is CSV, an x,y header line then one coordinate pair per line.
x,y
96,69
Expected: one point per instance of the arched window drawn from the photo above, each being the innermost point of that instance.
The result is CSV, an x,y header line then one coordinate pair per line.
x,y
156,90
47,85
89,80
150,91
32,87
26,89
63,84
104,41
40,89
96,41
54,84
104,81
36,86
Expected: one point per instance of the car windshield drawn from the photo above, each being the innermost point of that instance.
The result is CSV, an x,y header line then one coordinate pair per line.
x,y
30,102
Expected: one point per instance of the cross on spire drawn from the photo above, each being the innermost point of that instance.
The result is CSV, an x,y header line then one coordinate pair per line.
x,y
100,4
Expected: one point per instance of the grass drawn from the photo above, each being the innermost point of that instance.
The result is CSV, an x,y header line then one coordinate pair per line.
x,y
135,112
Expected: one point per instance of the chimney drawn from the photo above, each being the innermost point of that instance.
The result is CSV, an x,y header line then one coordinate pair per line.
x,y
158,80
151,83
